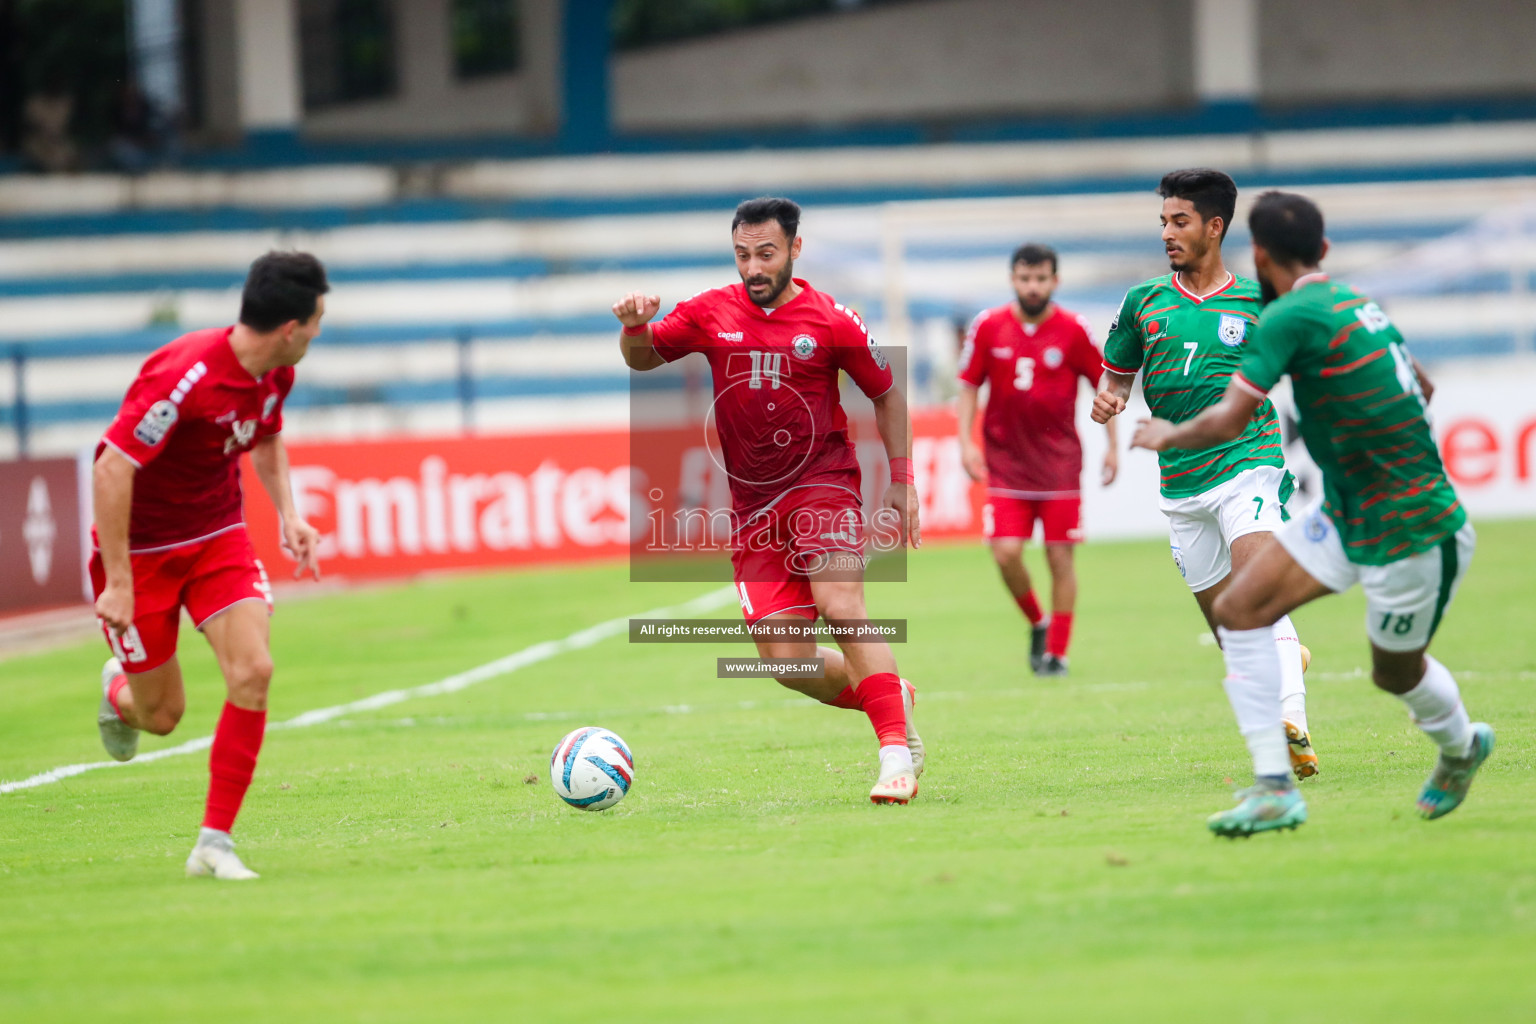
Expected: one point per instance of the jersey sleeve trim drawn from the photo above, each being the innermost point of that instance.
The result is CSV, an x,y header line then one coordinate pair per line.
x,y
1249,386
1117,369
108,442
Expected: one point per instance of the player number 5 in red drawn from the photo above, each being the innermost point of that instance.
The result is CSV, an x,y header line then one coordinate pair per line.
x,y
1023,374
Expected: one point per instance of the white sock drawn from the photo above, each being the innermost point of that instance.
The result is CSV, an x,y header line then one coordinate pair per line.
x,y
1253,689
1437,709
1293,684
897,757
213,837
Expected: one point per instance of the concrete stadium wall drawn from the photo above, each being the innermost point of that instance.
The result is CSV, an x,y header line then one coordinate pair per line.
x,y
1315,50
918,60
934,59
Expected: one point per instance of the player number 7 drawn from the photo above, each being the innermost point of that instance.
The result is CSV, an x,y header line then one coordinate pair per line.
x,y
1190,347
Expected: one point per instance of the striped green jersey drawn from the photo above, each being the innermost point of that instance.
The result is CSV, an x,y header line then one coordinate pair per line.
x,y
1362,418
1188,347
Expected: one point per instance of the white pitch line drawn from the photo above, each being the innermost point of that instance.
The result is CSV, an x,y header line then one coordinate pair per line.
x,y
452,684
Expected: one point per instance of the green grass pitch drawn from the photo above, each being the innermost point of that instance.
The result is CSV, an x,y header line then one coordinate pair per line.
x,y
1054,867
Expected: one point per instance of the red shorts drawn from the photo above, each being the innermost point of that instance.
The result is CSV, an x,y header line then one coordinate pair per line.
x,y
207,577
778,547
1015,517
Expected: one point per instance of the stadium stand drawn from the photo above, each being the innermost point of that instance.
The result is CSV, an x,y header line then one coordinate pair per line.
x,y
477,294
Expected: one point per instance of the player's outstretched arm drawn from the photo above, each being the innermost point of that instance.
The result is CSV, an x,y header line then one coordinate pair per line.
x,y
112,494
1218,424
1114,392
300,540
896,431
635,311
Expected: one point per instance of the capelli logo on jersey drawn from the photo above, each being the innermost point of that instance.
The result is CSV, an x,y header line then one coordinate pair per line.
x,y
730,335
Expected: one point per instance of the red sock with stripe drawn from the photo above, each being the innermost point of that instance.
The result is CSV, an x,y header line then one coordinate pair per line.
x,y
1030,607
231,763
114,688
880,699
1058,634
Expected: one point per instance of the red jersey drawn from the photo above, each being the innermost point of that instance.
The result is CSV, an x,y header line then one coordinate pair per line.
x,y
1030,426
776,405
188,416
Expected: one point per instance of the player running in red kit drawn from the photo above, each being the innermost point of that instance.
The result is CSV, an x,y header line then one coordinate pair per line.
x,y
1033,353
775,346
169,531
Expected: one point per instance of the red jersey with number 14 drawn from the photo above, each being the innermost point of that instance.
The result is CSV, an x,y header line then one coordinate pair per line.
x,y
1030,426
776,409
190,414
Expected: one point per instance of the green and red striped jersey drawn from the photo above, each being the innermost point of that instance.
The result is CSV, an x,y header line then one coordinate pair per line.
x,y
1362,418
1187,347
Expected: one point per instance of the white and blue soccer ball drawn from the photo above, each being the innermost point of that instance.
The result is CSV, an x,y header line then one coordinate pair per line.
x,y
591,768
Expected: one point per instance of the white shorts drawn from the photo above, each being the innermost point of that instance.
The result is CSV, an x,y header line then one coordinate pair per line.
x,y
1404,600
1201,528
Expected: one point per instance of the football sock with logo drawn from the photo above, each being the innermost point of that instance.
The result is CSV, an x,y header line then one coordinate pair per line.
x,y
1030,607
114,694
1293,685
231,763
1253,689
1058,634
1437,709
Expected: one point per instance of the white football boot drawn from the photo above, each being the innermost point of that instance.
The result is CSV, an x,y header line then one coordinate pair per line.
x,y
897,787
120,738
914,741
214,857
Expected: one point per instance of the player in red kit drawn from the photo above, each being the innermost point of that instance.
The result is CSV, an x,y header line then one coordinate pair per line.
x,y
169,532
775,347
1033,353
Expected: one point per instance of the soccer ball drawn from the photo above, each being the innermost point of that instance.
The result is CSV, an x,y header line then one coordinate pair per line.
x,y
591,768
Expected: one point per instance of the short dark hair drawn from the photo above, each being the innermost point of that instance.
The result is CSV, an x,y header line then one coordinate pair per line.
x,y
1213,193
1033,254
1289,227
280,287
766,208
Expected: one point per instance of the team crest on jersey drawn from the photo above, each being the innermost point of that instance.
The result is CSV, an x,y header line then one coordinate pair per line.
x,y
877,355
804,346
157,422
1052,357
1231,330
268,406
1155,329
1317,526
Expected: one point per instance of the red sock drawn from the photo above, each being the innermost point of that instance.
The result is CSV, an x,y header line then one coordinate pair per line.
x,y
1031,608
1059,634
114,688
847,700
236,742
880,698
